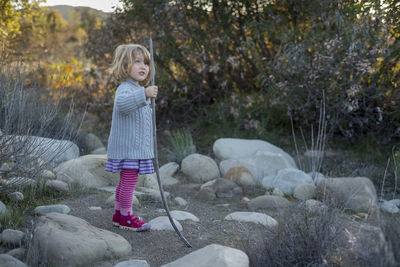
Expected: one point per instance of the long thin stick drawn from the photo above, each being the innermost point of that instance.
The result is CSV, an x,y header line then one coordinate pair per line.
x,y
153,105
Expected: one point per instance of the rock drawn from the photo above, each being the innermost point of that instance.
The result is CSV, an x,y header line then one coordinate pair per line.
x,y
99,151
5,167
268,202
148,180
356,193
21,182
395,202
12,238
245,199
9,261
88,142
47,174
180,201
222,188
87,171
109,189
304,191
286,180
389,207
65,240
169,169
144,193
59,208
261,164
163,223
3,208
254,217
277,192
49,150
111,200
212,255
232,148
200,168
206,194
18,253
94,208
316,176
133,263
362,243
315,207
57,186
183,215
241,176
16,196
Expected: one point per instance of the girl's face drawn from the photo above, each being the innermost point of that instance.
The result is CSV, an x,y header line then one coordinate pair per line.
x,y
139,70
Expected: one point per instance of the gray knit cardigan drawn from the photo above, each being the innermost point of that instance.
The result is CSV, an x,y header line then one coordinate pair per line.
x,y
131,135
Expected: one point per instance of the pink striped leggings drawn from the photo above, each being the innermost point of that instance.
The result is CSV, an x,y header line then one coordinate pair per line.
x,y
124,191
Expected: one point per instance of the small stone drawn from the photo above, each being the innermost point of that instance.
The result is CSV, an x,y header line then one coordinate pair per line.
x,y
245,199
277,192
163,223
16,196
254,217
132,263
58,186
180,201
95,208
59,208
3,208
389,207
12,238
47,174
395,202
206,193
18,253
5,167
183,215
304,191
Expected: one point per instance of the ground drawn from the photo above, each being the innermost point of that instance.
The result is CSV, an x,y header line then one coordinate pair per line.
x,y
161,247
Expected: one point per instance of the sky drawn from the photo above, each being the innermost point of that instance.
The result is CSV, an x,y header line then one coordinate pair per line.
x,y
103,5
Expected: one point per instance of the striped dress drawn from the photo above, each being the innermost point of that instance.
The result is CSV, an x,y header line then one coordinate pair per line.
x,y
145,166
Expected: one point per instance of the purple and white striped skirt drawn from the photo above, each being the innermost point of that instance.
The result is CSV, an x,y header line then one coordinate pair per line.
x,y
145,166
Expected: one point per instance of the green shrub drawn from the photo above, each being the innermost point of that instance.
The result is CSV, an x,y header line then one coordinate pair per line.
x,y
181,142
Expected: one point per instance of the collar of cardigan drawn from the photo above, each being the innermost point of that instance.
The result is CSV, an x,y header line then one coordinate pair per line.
x,y
129,80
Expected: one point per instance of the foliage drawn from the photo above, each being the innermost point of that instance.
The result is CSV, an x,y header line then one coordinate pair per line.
x,y
288,53
182,144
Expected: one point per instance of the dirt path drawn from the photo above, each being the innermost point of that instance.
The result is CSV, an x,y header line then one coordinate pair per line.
x,y
161,247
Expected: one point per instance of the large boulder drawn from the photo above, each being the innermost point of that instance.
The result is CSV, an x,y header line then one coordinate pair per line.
x,y
65,240
87,171
212,255
200,168
260,164
354,193
286,180
48,150
88,142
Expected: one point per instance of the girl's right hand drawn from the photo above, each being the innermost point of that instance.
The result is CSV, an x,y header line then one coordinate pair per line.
x,y
151,91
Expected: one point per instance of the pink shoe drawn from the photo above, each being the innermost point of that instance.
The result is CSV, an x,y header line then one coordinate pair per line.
x,y
133,223
116,217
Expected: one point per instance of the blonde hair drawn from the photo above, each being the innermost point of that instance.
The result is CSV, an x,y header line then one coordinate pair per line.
x,y
124,58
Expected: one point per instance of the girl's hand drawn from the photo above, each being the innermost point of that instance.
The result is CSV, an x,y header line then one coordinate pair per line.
x,y
151,91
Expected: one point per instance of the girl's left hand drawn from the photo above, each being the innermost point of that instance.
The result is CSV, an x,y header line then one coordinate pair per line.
x,y
151,91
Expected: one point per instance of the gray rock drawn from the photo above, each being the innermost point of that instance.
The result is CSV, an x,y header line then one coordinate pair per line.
x,y
200,168
12,238
241,176
222,188
260,164
268,202
169,169
5,167
316,176
163,223
57,186
389,207
47,174
180,201
286,180
133,263
18,253
9,261
277,192
3,208
99,151
304,191
65,240
395,202
16,196
59,208
206,194
87,171
315,207
183,215
88,142
254,217
355,193
212,255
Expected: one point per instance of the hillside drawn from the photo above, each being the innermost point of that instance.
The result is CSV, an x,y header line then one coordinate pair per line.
x,y
67,12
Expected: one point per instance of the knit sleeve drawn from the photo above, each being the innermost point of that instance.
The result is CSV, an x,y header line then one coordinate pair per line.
x,y
129,99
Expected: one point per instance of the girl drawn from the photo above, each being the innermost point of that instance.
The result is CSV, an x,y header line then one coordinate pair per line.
x,y
130,144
